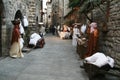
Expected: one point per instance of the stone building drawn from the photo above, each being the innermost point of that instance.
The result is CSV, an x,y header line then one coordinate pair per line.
x,y
49,13
55,12
59,11
8,9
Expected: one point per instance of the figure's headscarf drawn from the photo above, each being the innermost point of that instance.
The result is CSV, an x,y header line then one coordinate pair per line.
x,y
93,25
75,26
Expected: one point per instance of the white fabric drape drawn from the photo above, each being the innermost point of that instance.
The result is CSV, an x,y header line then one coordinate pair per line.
x,y
83,28
25,21
75,33
15,50
21,29
34,38
99,59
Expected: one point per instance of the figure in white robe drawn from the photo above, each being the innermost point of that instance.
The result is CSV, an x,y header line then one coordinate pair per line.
x,y
76,33
65,33
42,30
99,59
34,38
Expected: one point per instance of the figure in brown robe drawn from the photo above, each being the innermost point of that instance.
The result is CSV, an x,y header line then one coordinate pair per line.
x,y
15,34
15,49
92,39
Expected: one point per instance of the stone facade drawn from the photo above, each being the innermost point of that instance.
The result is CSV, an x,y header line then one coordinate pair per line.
x,y
109,40
49,14
28,8
66,9
55,11
113,36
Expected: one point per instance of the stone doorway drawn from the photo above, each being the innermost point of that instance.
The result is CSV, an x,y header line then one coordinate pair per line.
x,y
18,14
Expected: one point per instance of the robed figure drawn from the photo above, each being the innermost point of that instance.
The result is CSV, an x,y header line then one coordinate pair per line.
x,y
76,34
16,48
92,39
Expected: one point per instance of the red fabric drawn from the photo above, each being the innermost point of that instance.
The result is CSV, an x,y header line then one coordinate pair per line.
x,y
92,43
15,34
40,43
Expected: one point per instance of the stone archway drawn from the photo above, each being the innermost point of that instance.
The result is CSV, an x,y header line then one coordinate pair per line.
x,y
19,15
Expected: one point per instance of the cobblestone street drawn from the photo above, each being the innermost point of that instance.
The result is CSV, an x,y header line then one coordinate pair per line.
x,y
56,61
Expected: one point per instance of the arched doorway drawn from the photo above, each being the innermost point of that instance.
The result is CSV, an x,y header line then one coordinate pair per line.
x,y
19,15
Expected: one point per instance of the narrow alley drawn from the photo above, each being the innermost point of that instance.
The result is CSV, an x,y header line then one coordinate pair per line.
x,y
56,61
93,26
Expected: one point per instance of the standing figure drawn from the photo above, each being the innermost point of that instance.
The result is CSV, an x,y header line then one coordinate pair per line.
x,y
76,32
22,32
92,39
26,31
53,29
42,30
16,49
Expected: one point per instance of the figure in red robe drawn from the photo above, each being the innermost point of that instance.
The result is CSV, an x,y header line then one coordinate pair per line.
x,y
92,39
15,50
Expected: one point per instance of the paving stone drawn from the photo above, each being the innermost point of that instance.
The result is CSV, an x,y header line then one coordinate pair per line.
x,y
56,61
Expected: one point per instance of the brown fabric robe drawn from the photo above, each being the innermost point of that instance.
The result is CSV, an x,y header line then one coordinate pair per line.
x,y
15,34
15,50
92,42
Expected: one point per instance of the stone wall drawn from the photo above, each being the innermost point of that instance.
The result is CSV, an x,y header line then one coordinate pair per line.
x,y
28,8
10,8
114,31
109,40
